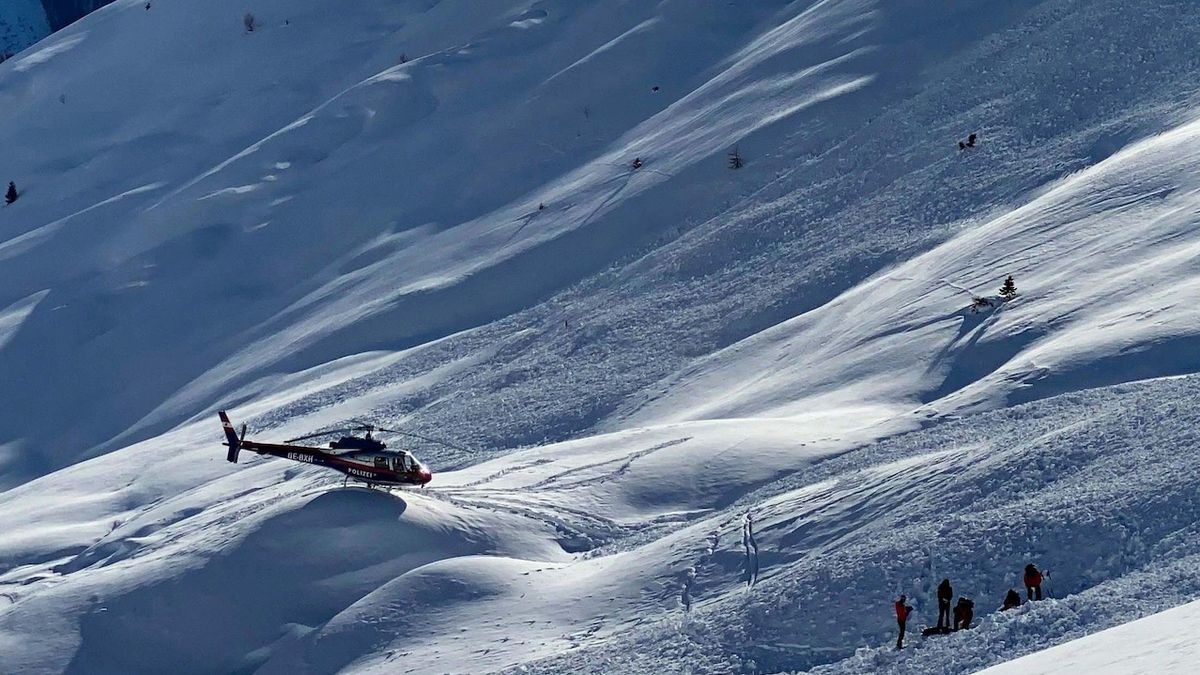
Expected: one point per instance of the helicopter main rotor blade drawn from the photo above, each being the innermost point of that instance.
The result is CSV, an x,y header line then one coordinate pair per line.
x,y
367,426
327,432
424,438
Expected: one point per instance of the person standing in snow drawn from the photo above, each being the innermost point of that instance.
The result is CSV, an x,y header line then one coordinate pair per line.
x,y
903,609
1033,582
964,612
945,593
1011,600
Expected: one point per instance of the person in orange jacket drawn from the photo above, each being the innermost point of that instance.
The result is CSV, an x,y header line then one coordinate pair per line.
x,y
903,609
1033,582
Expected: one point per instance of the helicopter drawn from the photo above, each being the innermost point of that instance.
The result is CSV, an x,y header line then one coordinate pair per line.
x,y
363,458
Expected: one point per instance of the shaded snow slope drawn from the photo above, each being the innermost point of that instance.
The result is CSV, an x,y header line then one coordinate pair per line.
x,y
62,13
22,23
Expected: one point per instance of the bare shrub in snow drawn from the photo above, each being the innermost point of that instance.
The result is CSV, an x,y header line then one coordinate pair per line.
x,y
979,304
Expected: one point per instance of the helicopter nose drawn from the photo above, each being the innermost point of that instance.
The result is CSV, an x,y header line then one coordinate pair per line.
x,y
426,476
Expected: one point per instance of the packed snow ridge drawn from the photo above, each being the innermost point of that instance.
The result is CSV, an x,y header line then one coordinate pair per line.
x,y
711,416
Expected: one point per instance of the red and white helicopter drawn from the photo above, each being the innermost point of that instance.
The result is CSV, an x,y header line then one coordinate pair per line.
x,y
363,458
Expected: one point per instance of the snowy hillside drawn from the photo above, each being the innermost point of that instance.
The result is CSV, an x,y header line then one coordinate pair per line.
x,y
714,419
1163,643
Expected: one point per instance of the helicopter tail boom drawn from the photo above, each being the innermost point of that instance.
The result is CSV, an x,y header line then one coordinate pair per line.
x,y
234,443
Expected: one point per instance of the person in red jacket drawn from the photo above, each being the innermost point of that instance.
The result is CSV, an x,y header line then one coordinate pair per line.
x,y
1033,582
903,609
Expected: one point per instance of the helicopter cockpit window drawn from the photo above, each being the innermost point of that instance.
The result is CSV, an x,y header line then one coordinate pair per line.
x,y
381,462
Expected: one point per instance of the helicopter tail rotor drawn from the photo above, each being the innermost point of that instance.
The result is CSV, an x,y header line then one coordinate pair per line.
x,y
232,440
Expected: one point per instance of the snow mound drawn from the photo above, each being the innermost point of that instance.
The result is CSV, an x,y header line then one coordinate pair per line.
x,y
1162,643
216,586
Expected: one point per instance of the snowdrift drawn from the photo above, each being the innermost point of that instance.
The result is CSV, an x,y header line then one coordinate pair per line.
x,y
1162,643
215,587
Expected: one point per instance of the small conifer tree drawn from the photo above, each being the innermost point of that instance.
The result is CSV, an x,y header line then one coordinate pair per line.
x,y
1009,290
12,194
735,159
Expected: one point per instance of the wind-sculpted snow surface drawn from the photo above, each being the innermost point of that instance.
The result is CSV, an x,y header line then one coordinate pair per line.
x,y
714,420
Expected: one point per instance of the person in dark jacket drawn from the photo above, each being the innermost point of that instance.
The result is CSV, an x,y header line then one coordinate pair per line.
x,y
1011,600
964,612
1033,582
903,609
945,593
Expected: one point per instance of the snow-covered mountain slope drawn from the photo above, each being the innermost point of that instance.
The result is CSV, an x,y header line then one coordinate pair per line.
x,y
328,189
620,553
22,23
761,403
1163,643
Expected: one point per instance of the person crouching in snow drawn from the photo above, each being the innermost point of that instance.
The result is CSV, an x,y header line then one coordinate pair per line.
x,y
1033,582
964,611
1011,600
903,609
